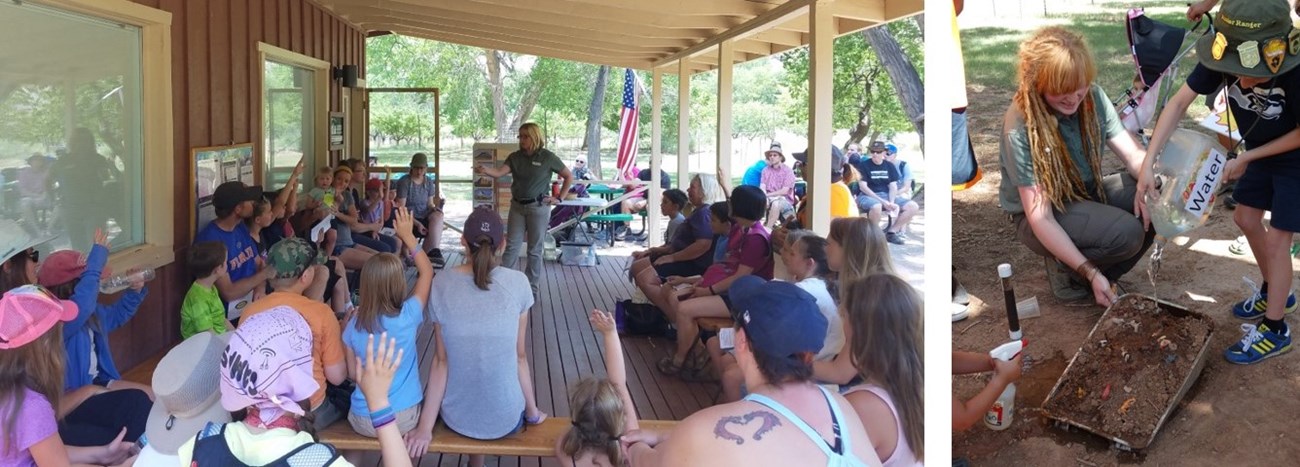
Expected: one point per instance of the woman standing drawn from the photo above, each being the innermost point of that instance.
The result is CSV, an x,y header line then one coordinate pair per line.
x,y
530,206
1062,206
479,380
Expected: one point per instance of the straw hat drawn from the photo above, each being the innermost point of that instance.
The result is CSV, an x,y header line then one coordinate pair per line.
x,y
186,387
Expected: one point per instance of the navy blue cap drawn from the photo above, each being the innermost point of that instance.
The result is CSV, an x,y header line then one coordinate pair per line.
x,y
779,318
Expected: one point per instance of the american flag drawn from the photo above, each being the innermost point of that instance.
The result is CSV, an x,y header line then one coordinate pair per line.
x,y
627,128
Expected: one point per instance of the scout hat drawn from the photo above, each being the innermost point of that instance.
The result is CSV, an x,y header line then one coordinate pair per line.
x,y
1252,38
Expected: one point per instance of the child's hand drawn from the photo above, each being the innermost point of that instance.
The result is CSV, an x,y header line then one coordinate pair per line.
x,y
136,283
403,223
375,376
602,321
101,237
1008,371
297,169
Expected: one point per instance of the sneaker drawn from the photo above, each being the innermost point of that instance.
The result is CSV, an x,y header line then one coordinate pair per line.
x,y
959,311
1259,343
1063,284
1253,307
1229,202
894,237
436,258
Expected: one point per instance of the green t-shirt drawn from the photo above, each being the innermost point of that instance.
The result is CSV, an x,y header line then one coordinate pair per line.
x,y
202,311
1018,164
532,174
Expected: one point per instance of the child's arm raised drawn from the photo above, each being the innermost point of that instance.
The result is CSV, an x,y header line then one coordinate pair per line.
x,y
403,224
374,377
615,370
86,293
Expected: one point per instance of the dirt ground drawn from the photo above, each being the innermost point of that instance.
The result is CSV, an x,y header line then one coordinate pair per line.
x,y
1240,413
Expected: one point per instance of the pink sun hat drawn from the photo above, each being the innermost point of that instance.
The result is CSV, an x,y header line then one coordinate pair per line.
x,y
28,312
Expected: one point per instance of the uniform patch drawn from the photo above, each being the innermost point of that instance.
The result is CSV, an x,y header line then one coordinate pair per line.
x,y
1248,52
1274,53
1220,45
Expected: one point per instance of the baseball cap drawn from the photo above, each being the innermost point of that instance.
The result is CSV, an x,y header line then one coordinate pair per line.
x,y
230,194
837,159
62,267
484,223
15,239
878,146
779,318
291,257
374,184
186,386
29,311
268,364
1251,38
891,149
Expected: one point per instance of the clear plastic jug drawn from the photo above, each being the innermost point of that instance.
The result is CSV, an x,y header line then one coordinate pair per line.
x,y
549,250
1189,171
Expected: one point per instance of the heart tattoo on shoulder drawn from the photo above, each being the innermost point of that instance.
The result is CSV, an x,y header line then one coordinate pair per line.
x,y
767,421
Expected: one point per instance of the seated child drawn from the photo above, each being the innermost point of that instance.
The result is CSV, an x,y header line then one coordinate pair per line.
x,y
202,309
966,414
602,408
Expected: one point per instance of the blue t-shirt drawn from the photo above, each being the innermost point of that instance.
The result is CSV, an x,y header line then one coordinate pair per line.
x,y
406,391
754,174
695,228
241,250
719,248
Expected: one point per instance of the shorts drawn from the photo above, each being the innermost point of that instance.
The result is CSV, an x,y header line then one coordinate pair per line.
x,y
787,209
679,268
523,416
1266,186
865,202
405,420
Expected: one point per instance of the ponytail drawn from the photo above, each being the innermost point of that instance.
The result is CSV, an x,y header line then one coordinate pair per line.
x,y
483,260
814,247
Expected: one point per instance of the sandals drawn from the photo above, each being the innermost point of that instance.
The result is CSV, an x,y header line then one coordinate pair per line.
x,y
668,367
541,417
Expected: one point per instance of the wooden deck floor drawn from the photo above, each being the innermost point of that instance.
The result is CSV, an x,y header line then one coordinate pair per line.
x,y
563,349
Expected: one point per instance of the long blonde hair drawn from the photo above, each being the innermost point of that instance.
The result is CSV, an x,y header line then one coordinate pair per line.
x,y
885,315
598,420
1057,61
383,289
38,366
865,250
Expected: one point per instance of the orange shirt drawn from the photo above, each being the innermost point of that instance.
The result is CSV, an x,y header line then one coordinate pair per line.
x,y
327,338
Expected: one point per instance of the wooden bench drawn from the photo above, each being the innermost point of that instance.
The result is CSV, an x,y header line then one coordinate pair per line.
x,y
535,440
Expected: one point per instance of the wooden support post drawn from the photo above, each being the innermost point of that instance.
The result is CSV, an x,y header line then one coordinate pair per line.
x,y
725,52
683,119
653,238
821,37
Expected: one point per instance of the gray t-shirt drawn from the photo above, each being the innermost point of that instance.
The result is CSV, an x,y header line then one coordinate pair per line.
x,y
480,329
672,227
416,195
532,174
343,202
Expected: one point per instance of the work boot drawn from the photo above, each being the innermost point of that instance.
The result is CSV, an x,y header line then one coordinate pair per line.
x,y
1064,286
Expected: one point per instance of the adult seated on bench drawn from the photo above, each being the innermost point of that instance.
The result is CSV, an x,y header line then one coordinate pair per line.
x,y
640,199
233,202
418,192
748,252
778,331
480,312
688,253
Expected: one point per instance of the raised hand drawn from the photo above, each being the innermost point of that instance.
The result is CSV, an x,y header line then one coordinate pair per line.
x,y
101,237
375,375
403,223
602,321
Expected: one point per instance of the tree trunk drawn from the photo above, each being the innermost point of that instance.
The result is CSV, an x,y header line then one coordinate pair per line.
x,y
527,104
907,82
498,94
592,139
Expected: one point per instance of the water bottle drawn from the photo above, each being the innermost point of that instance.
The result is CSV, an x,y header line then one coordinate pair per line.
x,y
1189,171
999,416
122,281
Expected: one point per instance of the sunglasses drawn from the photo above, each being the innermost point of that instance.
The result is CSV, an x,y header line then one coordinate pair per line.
x,y
34,255
877,152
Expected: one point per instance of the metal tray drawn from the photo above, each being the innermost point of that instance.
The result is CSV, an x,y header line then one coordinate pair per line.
x,y
1197,366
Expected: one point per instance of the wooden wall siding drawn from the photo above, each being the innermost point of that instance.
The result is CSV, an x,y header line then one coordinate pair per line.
x,y
217,101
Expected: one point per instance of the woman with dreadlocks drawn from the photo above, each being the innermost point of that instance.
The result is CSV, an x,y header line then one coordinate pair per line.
x,y
1053,136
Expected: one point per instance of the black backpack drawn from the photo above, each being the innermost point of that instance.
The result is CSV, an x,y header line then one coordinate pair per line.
x,y
639,319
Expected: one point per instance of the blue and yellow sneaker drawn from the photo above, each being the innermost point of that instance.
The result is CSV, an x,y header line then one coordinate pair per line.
x,y
1254,306
1259,343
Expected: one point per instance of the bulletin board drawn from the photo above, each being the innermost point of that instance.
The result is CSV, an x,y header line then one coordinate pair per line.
x,y
489,192
211,167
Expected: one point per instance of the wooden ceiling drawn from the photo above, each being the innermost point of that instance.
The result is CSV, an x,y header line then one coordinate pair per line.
x,y
638,34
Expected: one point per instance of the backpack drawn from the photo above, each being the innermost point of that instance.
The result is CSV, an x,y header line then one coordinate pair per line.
x,y
639,319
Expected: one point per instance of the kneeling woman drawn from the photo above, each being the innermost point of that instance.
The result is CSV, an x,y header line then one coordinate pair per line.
x,y
482,388
1053,136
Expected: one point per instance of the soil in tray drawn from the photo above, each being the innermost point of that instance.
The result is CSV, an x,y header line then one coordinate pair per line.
x,y
1126,375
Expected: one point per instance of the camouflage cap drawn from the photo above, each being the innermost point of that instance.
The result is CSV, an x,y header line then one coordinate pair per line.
x,y
291,256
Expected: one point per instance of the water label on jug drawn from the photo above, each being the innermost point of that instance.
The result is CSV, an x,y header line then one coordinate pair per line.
x,y
994,416
1199,194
